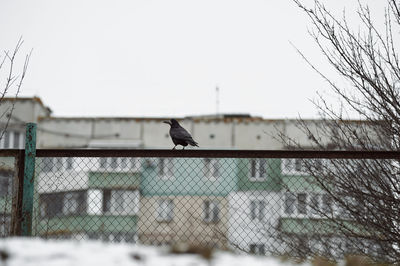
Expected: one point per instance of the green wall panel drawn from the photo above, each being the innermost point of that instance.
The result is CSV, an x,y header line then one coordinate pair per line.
x,y
116,180
271,183
189,178
88,224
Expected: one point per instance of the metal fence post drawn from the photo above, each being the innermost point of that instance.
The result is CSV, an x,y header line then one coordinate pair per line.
x,y
17,194
28,185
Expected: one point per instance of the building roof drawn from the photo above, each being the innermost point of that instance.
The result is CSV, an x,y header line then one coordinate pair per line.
x,y
208,118
196,119
31,99
160,119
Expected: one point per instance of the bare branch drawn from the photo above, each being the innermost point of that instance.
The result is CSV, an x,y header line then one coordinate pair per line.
x,y
367,191
12,80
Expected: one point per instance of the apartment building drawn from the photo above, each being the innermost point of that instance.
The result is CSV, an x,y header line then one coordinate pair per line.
x,y
249,204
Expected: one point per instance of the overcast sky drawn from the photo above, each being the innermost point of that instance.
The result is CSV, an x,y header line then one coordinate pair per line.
x,y
165,58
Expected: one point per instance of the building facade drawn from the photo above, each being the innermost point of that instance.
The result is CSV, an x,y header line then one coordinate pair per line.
x,y
245,204
185,199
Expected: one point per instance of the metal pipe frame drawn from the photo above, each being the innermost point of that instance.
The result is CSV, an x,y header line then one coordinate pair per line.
x,y
209,153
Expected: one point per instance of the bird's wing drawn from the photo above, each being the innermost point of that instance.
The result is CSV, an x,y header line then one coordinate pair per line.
x,y
180,133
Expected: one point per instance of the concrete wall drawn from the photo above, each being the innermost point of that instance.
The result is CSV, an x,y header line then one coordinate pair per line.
x,y
152,133
294,130
57,133
135,132
213,135
258,135
25,110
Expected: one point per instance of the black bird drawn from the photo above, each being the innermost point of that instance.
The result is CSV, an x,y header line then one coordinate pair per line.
x,y
179,135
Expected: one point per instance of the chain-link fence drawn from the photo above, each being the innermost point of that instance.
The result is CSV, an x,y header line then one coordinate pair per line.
x,y
266,204
9,205
6,194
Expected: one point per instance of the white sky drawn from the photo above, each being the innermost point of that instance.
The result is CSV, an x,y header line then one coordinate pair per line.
x,y
165,58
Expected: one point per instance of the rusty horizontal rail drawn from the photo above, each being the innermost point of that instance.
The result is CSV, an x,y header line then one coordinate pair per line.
x,y
207,153
218,153
9,152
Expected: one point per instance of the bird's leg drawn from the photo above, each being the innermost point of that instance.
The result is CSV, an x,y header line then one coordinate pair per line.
x,y
174,147
183,147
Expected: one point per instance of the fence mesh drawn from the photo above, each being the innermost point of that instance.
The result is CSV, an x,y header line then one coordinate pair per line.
x,y
266,206
7,192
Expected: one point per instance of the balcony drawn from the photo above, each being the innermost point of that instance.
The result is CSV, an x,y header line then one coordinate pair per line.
x,y
86,223
114,180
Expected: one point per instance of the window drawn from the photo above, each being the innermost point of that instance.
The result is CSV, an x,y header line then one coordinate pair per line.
x,y
211,211
70,203
117,201
327,204
51,204
5,184
165,211
211,168
47,165
319,164
43,208
106,201
73,203
315,200
349,204
166,168
114,163
258,169
103,162
290,200
124,163
16,140
302,203
57,164
7,136
257,210
298,165
70,163
311,204
5,225
258,249
119,164
301,166
120,202
133,164
12,140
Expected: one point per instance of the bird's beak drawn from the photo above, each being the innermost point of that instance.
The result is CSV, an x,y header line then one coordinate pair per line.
x,y
167,122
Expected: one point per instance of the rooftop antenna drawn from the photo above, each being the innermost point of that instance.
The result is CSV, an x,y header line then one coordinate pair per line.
x,y
217,99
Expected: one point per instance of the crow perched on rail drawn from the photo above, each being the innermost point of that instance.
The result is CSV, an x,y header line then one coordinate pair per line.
x,y
179,135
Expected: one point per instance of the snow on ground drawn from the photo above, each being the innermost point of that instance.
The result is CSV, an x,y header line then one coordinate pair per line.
x,y
34,251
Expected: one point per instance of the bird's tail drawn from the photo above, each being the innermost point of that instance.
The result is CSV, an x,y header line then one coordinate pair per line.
x,y
193,143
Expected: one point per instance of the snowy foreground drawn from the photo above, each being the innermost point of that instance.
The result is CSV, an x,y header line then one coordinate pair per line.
x,y
32,251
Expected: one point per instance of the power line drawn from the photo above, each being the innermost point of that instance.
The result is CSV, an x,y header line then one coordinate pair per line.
x,y
65,134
